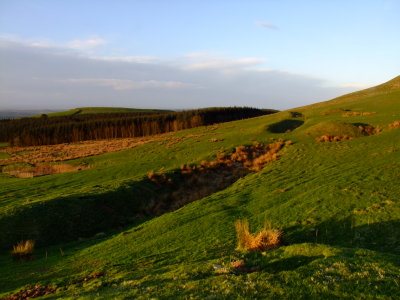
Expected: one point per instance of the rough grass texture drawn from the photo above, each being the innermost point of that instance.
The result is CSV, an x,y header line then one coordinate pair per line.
x,y
23,250
264,240
41,170
61,152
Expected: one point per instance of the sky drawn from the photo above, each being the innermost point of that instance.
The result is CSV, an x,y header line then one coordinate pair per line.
x,y
188,54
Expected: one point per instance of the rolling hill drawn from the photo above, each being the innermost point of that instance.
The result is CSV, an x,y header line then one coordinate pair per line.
x,y
101,231
103,110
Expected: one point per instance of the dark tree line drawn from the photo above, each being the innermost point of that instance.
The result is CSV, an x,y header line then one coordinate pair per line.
x,y
66,129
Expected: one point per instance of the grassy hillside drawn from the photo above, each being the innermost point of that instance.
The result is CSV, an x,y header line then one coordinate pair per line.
x,y
337,204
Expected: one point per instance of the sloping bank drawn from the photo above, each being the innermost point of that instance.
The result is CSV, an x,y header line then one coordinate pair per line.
x,y
69,218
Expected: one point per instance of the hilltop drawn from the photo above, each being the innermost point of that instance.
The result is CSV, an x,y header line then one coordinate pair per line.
x,y
104,110
137,224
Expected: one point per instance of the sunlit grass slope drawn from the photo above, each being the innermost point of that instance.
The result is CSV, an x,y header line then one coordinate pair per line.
x,y
336,203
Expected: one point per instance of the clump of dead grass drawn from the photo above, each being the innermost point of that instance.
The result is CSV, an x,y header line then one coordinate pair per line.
x,y
355,113
266,239
158,178
23,250
395,124
332,138
369,130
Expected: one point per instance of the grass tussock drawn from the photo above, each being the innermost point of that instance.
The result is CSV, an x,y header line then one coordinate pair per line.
x,y
395,124
355,113
369,130
23,250
266,239
331,138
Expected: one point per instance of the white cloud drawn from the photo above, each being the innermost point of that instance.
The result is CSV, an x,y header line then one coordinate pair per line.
x,y
266,25
129,59
54,77
357,85
124,84
86,44
222,63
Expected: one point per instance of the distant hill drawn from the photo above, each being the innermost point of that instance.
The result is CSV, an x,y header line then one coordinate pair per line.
x,y
103,110
12,114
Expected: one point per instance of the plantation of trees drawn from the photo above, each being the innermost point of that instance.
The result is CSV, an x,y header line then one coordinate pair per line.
x,y
74,128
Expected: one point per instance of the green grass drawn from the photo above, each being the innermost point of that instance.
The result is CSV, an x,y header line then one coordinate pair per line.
x,y
4,155
337,204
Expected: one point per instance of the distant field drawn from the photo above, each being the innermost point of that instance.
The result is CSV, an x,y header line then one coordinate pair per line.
x,y
336,202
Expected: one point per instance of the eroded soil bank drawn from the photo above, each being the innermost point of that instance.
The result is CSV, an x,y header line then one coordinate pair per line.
x,y
80,216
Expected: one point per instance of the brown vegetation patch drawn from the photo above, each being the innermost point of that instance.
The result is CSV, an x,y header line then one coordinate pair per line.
x,y
62,152
214,140
23,251
40,170
369,130
355,113
266,239
374,208
32,291
89,277
240,267
331,138
193,182
395,124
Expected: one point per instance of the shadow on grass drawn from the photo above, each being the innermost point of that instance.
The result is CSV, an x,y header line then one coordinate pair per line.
x,y
379,236
289,264
80,216
285,126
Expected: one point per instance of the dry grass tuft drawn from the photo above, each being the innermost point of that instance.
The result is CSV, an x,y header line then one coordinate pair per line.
x,y
330,138
266,239
395,124
23,250
369,130
354,113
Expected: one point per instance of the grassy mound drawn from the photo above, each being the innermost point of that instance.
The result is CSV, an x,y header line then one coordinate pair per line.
x,y
334,128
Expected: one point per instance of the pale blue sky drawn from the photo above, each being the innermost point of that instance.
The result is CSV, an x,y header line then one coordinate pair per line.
x,y
170,54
